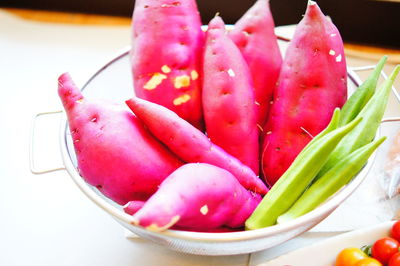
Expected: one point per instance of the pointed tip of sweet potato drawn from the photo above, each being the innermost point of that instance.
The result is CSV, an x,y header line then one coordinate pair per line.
x,y
313,10
136,101
145,109
216,23
68,91
64,76
132,102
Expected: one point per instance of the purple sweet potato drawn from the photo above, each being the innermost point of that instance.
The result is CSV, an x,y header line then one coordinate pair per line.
x,y
190,144
166,53
255,36
230,111
115,153
311,85
198,197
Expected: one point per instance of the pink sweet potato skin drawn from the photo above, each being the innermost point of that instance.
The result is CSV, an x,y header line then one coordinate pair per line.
x,y
133,206
166,53
255,36
114,151
200,197
230,112
190,144
311,85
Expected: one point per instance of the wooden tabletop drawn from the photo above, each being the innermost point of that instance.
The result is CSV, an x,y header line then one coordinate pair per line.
x,y
370,53
69,18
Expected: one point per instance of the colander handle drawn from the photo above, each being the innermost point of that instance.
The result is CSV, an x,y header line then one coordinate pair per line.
x,y
390,119
32,161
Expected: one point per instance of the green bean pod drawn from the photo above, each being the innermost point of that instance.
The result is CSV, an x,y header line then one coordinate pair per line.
x,y
297,178
332,181
361,95
364,133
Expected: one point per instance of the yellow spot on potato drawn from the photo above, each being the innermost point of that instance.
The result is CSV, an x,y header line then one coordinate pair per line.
x,y
331,52
204,210
194,74
339,58
165,69
231,72
182,81
81,100
154,81
181,99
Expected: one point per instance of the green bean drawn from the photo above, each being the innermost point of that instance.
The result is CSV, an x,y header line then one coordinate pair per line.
x,y
332,181
361,95
371,115
297,178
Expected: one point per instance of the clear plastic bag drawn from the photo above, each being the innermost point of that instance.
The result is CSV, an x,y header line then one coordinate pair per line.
x,y
390,176
377,199
370,204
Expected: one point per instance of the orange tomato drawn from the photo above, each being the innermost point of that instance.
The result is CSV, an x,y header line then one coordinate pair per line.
x,y
368,262
349,256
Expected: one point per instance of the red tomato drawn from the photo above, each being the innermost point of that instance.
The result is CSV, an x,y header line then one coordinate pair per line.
x,y
395,260
367,262
395,231
349,256
384,248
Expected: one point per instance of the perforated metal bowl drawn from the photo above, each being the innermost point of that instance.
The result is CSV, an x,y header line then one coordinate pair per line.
x,y
113,81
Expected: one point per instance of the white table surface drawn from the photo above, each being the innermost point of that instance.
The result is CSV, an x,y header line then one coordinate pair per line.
x,y
45,219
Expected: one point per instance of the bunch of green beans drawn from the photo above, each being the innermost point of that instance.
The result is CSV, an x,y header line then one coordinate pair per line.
x,y
331,159
299,175
372,114
361,96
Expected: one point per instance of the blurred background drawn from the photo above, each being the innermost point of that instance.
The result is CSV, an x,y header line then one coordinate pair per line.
x,y
374,22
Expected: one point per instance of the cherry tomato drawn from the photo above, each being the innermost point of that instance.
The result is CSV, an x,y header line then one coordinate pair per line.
x,y
349,256
395,231
395,259
367,262
384,248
